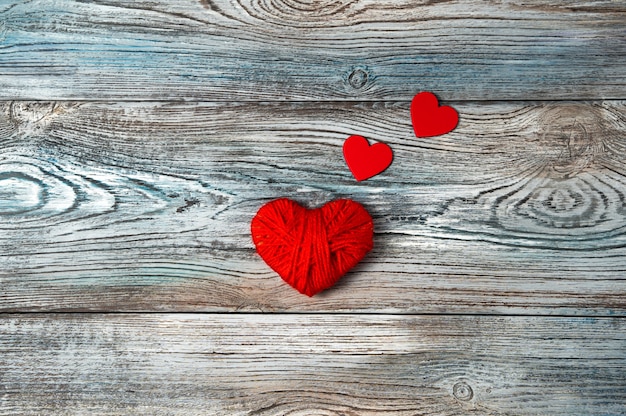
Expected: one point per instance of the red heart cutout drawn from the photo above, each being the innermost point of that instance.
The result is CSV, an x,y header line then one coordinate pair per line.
x,y
364,160
312,248
429,119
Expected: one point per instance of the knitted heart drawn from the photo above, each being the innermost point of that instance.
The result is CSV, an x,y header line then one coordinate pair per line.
x,y
364,160
312,248
429,119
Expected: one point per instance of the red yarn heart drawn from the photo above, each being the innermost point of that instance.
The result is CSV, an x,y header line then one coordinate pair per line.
x,y
429,119
364,160
312,248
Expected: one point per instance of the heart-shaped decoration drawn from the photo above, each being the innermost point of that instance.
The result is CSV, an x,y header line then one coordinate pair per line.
x,y
429,119
364,160
312,248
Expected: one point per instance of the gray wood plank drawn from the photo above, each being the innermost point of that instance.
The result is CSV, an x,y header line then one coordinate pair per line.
x,y
306,364
146,206
341,50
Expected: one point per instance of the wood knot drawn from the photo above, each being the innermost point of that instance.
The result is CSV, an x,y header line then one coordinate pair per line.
x,y
32,117
357,78
571,137
463,391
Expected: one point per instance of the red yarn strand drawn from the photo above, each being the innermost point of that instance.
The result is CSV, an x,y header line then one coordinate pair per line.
x,y
312,248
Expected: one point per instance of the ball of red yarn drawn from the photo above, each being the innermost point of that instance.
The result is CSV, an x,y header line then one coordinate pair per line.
x,y
312,248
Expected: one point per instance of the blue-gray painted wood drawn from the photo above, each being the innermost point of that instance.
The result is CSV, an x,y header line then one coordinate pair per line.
x,y
147,206
311,365
142,204
343,50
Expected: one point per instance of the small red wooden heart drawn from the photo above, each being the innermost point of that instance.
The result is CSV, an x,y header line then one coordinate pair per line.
x,y
429,119
312,248
364,160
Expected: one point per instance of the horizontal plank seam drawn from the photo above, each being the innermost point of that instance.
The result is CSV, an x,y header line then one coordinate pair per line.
x,y
287,102
317,313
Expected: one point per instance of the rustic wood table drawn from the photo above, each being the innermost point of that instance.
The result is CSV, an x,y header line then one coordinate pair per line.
x,y
138,139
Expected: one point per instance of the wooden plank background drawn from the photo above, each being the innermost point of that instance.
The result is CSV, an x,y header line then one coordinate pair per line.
x,y
138,139
242,364
234,50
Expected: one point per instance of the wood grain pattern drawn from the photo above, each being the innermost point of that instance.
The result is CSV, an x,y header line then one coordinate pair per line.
x,y
146,206
306,364
138,139
224,50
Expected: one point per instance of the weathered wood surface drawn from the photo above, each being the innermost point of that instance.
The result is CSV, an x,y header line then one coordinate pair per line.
x,y
146,206
155,130
311,365
312,50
